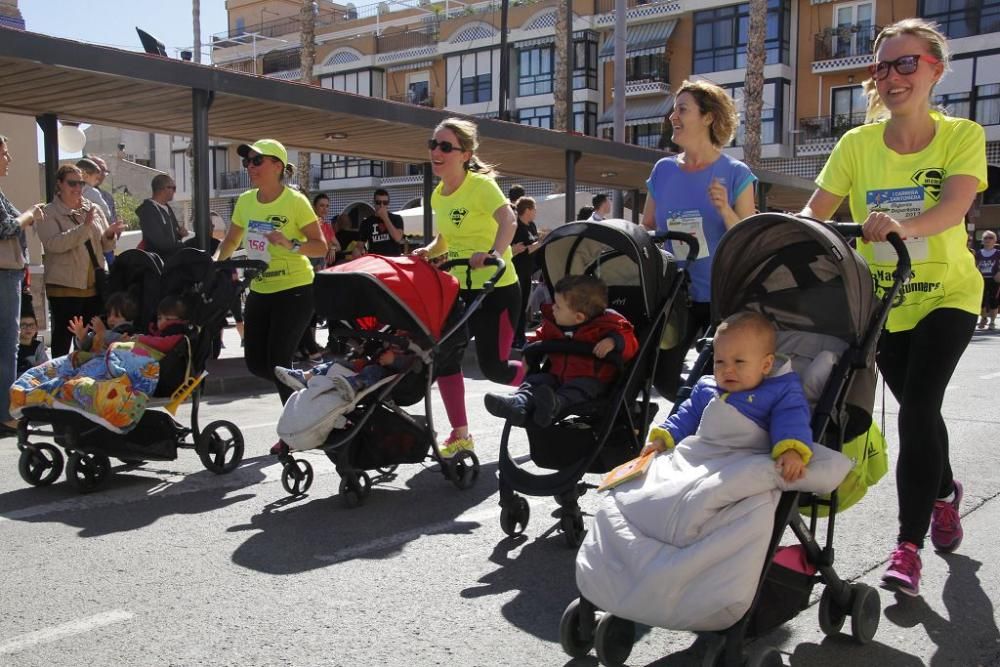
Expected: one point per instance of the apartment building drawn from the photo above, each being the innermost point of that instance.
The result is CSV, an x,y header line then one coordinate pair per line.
x,y
447,54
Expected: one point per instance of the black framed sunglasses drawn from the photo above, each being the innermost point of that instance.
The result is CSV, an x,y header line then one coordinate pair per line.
x,y
74,183
445,146
904,65
256,160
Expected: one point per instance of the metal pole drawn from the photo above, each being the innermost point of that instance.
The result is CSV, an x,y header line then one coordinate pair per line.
x,y
570,65
571,158
201,100
50,148
617,202
503,111
428,212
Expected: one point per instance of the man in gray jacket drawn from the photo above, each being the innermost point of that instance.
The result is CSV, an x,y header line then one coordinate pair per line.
x,y
161,231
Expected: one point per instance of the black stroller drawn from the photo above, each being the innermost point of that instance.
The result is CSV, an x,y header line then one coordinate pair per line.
x,y
805,277
643,284
376,298
208,290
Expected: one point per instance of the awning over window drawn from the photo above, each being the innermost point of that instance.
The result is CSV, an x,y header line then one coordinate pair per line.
x,y
640,112
641,40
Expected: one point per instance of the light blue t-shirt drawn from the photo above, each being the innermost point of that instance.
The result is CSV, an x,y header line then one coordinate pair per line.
x,y
682,204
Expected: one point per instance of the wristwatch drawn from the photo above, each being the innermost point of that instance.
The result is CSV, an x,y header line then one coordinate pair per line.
x,y
295,245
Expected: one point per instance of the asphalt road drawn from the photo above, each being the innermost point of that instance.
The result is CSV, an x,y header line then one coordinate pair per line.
x,y
172,565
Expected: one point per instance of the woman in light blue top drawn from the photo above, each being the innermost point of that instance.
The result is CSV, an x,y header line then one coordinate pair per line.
x,y
700,191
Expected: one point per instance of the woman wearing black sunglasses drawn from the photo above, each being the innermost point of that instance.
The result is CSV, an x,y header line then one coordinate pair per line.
x,y
474,221
915,173
69,223
278,226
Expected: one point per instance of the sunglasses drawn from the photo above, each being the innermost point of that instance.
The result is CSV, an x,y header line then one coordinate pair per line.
x,y
445,146
381,202
256,160
904,65
74,184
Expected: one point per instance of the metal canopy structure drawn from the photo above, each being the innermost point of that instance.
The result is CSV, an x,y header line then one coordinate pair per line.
x,y
49,77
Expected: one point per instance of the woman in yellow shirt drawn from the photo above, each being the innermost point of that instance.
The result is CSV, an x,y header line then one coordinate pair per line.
x,y
915,173
474,221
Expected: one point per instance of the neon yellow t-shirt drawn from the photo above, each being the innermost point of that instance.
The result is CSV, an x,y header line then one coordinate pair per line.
x,y
877,178
289,213
465,222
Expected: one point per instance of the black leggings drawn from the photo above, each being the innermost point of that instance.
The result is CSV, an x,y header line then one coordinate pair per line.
x,y
493,328
64,308
274,325
670,362
917,365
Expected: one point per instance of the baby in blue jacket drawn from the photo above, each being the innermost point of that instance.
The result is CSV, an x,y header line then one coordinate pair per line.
x,y
744,348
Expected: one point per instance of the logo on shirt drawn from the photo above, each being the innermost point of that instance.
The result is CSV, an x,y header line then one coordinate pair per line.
x,y
278,221
457,215
930,179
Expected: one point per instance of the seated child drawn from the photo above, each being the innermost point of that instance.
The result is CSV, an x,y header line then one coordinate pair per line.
x,y
580,313
744,355
30,349
389,360
121,310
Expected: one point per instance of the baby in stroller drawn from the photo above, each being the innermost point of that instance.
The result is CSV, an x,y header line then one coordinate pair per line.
x,y
121,310
580,313
745,378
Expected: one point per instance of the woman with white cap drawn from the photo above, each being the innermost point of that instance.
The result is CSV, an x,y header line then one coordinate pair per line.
x,y
278,226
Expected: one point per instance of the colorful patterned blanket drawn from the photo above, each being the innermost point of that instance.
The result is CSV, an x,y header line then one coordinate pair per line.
x,y
111,387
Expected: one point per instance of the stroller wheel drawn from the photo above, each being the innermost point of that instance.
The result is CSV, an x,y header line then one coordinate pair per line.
x,y
464,469
514,516
613,640
570,631
764,656
573,530
40,465
220,446
297,476
831,616
354,489
866,611
87,471
386,470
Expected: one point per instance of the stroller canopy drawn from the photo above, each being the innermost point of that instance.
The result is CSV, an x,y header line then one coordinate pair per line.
x,y
405,291
619,252
800,273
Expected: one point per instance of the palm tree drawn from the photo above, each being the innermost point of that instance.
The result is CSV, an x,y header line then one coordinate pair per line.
x,y
560,94
753,91
308,41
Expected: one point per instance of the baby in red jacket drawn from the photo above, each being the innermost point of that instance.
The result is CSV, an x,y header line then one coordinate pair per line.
x,y
580,313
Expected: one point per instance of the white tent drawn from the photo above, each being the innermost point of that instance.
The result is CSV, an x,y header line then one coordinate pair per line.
x,y
551,210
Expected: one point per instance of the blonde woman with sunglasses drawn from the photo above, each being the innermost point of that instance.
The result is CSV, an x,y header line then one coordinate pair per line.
x,y
474,221
915,171
68,223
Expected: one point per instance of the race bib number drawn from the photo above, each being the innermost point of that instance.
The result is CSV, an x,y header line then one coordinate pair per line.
x,y
689,221
901,204
256,240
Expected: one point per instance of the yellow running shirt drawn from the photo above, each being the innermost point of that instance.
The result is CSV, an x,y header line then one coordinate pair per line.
x,y
465,222
289,213
904,186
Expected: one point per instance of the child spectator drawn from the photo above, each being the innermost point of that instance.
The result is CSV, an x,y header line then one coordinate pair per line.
x,y
121,311
744,360
30,349
580,313
988,262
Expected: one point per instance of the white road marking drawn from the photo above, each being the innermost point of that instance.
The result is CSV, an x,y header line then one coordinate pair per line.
x,y
57,632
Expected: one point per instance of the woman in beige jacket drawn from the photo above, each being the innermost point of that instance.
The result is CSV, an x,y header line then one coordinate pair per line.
x,y
69,222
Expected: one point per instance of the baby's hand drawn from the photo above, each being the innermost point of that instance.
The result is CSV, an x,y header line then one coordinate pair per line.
x,y
77,328
791,466
603,346
654,445
97,324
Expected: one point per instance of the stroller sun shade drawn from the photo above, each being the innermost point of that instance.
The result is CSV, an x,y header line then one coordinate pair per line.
x,y
618,252
800,273
405,291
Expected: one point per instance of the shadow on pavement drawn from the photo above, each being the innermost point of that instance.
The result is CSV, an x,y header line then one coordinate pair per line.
x,y
129,501
324,531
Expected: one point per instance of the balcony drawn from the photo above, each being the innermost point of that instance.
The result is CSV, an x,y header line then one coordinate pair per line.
x,y
408,39
281,61
287,25
843,47
604,10
640,84
425,101
818,135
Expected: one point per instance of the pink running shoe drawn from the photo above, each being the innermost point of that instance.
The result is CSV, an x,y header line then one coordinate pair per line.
x,y
946,524
903,573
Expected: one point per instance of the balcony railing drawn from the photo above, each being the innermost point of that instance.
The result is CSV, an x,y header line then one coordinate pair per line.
x,y
827,128
608,6
425,101
281,61
232,180
401,41
655,76
845,41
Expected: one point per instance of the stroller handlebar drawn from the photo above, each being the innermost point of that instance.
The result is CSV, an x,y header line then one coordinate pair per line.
x,y
687,239
255,266
497,262
853,230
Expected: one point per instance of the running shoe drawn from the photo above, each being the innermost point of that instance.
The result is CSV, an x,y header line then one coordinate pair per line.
x,y
946,524
455,444
292,378
903,573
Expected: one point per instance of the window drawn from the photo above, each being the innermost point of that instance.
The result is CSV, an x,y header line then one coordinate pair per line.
x,y
720,36
962,18
972,88
180,164
241,26
585,118
418,92
476,73
341,166
364,82
535,66
219,157
847,108
648,135
652,67
536,117
775,92
956,104
585,62
988,104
